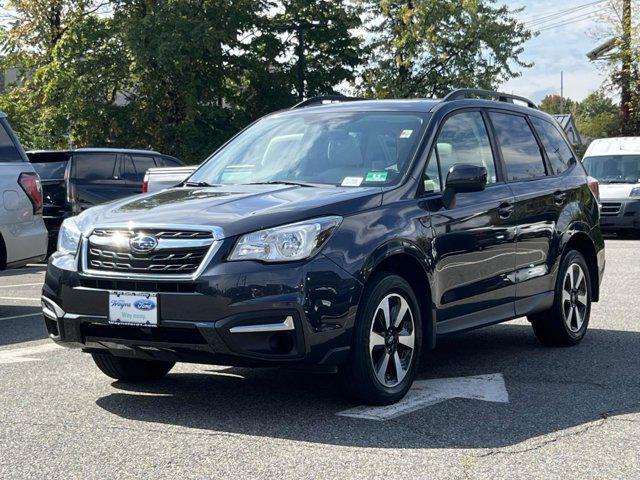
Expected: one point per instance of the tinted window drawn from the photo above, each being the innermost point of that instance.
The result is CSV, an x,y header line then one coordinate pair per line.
x,y
559,153
519,147
127,170
463,139
8,151
49,165
50,171
168,162
142,164
94,166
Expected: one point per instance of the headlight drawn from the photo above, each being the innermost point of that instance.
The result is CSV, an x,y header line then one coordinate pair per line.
x,y
69,237
287,243
635,192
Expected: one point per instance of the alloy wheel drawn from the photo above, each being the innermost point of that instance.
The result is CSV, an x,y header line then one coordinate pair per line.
x,y
575,298
392,340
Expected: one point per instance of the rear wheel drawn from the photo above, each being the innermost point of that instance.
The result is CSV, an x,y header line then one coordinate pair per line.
x,y
565,323
386,343
131,369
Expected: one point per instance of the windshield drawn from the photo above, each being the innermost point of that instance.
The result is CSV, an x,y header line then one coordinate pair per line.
x,y
614,168
338,148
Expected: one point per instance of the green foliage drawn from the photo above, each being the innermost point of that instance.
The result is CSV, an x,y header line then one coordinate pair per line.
x,y
182,76
556,105
428,47
596,116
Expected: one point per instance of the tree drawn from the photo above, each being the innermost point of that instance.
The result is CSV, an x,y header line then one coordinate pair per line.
x,y
428,47
42,38
597,116
622,64
556,105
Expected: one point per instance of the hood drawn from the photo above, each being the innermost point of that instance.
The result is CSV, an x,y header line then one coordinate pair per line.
x,y
234,209
616,191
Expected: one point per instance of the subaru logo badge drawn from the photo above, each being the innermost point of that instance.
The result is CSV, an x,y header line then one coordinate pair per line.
x,y
143,243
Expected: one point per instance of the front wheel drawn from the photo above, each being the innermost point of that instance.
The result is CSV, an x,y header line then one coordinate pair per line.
x,y
131,369
386,342
565,323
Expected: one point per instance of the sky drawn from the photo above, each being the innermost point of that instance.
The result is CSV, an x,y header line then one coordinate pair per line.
x,y
559,49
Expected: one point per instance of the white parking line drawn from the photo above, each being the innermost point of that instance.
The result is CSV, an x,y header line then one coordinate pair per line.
x,y
29,299
20,355
22,285
37,314
489,388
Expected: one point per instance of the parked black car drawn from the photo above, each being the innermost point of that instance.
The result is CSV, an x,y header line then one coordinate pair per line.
x,y
74,180
350,234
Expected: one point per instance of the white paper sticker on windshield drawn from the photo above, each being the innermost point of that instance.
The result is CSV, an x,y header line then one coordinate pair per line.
x,y
352,181
406,133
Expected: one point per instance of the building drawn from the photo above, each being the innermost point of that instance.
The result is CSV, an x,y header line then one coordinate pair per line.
x,y
568,124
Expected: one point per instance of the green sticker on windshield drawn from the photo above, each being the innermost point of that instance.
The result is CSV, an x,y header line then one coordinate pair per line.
x,y
376,177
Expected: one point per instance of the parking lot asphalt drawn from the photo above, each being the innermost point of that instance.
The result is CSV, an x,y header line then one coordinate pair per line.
x,y
571,412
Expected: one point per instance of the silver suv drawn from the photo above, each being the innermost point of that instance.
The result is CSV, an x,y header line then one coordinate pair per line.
x,y
23,236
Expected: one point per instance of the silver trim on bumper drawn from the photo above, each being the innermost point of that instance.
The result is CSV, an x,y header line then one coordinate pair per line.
x,y
52,310
268,327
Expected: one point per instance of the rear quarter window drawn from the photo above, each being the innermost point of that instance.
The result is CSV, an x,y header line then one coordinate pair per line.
x,y
8,150
560,154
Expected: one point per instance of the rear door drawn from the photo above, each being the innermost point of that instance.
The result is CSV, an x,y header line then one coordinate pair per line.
x,y
474,240
539,200
94,180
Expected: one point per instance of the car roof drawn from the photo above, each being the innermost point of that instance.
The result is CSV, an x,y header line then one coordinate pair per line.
x,y
614,146
98,150
3,115
417,105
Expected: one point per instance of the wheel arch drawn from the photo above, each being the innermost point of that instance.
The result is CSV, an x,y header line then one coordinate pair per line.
x,y
406,260
582,242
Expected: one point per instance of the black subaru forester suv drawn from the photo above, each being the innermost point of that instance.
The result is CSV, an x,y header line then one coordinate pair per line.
x,y
339,233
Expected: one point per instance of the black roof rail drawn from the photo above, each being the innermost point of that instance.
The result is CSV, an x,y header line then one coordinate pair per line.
x,y
322,99
501,97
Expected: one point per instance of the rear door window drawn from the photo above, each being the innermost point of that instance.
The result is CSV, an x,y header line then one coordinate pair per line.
x,y
519,147
559,153
142,163
8,150
95,166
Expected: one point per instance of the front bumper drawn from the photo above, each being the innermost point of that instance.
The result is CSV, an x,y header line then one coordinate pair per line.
x,y
235,313
621,214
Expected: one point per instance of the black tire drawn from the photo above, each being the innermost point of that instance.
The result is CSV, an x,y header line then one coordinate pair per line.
x,y
558,326
131,369
358,373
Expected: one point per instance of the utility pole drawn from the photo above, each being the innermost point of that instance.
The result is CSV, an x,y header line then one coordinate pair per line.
x,y
561,92
627,60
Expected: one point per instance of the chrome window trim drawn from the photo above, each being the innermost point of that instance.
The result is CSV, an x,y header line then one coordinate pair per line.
x,y
85,271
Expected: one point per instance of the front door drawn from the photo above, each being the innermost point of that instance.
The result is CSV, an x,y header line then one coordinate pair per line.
x,y
474,238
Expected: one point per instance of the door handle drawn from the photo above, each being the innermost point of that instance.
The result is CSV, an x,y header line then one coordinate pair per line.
x,y
559,197
505,209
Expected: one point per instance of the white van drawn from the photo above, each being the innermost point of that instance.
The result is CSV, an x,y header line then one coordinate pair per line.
x,y
615,162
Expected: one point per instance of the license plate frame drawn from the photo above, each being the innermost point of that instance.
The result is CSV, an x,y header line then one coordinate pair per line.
x,y
138,309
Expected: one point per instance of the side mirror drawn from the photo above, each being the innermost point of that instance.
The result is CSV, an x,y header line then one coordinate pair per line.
x,y
463,178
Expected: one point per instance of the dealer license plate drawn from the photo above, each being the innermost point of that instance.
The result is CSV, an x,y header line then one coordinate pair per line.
x,y
133,308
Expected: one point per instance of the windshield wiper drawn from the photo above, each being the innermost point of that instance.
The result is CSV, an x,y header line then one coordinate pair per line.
x,y
287,182
198,184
